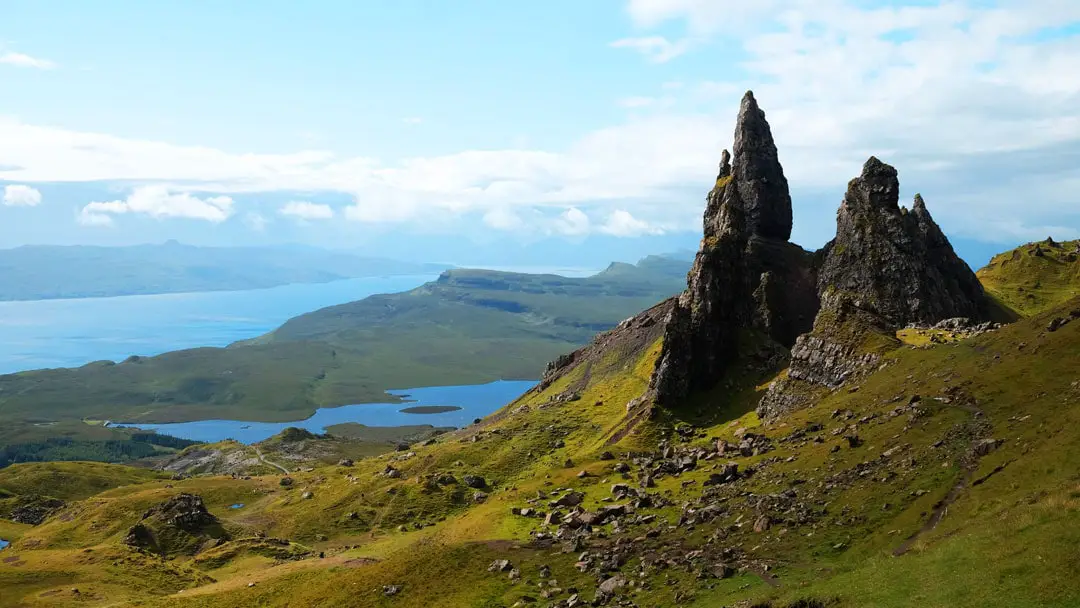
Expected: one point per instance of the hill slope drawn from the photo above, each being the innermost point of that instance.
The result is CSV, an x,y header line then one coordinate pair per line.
x,y
957,491
1035,277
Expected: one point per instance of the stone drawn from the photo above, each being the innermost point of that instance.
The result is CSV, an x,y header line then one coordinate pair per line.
x,y
345,462
500,565
474,481
762,524
613,584
570,499
285,482
985,446
391,590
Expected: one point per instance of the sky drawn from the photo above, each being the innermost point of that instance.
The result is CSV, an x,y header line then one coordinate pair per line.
x,y
486,131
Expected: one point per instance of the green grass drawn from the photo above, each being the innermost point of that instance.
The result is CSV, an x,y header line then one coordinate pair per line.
x,y
1030,283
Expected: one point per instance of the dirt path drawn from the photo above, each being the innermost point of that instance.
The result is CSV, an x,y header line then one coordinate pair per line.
x,y
941,508
273,464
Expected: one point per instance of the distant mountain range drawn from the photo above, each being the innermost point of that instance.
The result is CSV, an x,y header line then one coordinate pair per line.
x,y
39,272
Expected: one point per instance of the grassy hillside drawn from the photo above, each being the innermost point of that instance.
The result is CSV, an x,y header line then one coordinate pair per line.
x,y
470,326
1034,277
46,272
946,478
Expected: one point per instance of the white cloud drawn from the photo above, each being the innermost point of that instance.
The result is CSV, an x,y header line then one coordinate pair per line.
x,y
305,210
412,120
622,223
158,202
18,195
21,60
572,222
973,109
657,49
90,218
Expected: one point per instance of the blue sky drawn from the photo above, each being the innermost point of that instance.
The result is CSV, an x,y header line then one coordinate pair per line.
x,y
526,132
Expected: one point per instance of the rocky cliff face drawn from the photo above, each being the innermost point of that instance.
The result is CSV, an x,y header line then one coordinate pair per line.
x,y
746,273
888,267
896,263
835,309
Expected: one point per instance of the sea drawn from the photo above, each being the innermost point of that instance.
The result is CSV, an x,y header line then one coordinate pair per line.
x,y
38,334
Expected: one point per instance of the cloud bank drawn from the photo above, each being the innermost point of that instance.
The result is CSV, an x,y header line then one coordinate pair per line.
x,y
976,104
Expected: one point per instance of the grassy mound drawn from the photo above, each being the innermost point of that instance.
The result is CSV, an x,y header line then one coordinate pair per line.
x,y
1035,277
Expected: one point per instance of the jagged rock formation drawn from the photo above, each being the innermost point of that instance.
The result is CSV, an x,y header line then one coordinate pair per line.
x,y
895,263
835,309
887,268
746,274
180,524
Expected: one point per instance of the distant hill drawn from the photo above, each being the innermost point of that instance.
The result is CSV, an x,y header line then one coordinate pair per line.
x,y
41,272
466,327
1034,277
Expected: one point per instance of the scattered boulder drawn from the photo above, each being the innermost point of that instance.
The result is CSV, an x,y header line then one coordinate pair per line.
x,y
985,446
500,565
613,584
570,499
474,481
762,524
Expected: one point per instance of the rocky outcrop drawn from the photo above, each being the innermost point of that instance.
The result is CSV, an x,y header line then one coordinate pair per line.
x,y
836,310
887,268
746,273
180,524
896,263
34,510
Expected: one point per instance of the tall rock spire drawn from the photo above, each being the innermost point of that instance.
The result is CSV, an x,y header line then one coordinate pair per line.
x,y
758,174
745,275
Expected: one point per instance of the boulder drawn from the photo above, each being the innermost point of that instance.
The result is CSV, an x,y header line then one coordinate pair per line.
x,y
474,481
